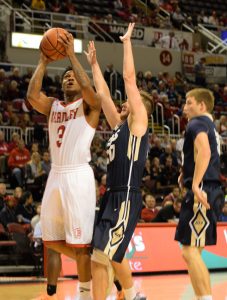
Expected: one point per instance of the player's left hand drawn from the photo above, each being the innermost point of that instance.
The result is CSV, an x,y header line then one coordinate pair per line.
x,y
128,34
44,59
91,53
67,41
201,196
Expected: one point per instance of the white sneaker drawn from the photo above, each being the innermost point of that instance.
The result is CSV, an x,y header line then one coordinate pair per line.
x,y
140,297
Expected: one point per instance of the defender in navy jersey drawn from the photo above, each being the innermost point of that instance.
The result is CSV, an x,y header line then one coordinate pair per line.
x,y
204,199
127,151
126,158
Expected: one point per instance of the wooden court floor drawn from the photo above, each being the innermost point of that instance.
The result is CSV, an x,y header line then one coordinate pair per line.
x,y
159,287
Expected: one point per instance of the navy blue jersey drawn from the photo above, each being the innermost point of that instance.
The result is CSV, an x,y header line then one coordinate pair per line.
x,y
194,127
126,158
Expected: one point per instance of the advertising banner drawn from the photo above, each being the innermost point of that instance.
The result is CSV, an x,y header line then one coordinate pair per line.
x,y
153,249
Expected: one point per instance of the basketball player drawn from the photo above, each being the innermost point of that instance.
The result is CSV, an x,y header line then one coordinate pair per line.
x,y
68,205
202,203
127,151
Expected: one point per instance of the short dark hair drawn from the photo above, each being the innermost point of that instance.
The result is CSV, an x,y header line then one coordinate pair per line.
x,y
25,196
69,68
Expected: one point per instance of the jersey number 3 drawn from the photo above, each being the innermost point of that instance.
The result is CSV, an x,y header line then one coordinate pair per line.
x,y
61,131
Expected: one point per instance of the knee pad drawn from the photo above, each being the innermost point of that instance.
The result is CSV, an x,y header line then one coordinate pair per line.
x,y
100,257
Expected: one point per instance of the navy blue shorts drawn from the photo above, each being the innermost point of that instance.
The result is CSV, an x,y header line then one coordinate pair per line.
x,y
116,222
197,226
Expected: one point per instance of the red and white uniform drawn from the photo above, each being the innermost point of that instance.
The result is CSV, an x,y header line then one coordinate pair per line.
x,y
68,205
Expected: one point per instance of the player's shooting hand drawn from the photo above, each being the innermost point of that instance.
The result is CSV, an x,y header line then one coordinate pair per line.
x,y
67,41
128,33
91,53
44,59
201,196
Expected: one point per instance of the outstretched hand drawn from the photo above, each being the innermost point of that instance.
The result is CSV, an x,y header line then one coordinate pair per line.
x,y
128,33
91,53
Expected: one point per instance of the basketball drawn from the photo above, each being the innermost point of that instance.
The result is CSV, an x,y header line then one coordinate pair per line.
x,y
50,45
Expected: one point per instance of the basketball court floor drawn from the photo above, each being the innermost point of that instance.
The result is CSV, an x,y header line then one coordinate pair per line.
x,y
155,287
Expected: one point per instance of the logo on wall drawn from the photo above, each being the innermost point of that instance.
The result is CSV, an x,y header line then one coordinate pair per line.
x,y
136,245
166,58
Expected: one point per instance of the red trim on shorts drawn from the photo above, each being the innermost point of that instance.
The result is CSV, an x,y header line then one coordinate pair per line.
x,y
67,244
54,242
67,104
78,245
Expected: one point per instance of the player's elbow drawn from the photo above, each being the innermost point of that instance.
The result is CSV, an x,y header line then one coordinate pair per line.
x,y
31,98
206,154
129,77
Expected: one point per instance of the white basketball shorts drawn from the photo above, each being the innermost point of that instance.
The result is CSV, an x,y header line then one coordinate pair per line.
x,y
68,205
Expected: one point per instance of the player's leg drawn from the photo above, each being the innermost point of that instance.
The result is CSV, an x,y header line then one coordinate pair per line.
x,y
50,212
99,280
198,271
84,272
53,271
79,215
102,275
120,292
123,273
61,247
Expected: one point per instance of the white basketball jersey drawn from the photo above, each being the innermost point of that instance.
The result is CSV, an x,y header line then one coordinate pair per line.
x,y
70,135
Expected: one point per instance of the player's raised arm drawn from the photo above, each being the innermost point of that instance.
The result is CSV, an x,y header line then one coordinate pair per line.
x,y
138,120
36,98
88,93
108,106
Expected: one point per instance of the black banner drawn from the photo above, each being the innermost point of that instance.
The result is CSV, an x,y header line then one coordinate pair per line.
x,y
115,30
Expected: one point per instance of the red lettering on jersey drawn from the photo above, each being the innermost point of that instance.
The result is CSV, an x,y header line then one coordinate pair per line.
x,y
61,131
59,117
74,113
64,117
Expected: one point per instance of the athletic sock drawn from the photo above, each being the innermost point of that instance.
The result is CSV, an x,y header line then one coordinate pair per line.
x,y
85,289
207,297
130,294
51,289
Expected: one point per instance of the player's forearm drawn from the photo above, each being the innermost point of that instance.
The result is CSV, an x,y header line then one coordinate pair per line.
x,y
35,83
80,74
107,103
128,63
201,164
99,81
133,95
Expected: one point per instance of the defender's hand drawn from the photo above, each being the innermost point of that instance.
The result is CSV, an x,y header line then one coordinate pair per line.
x,y
128,34
91,53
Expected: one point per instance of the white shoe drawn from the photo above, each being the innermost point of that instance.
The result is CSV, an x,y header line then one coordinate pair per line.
x,y
140,297
78,297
